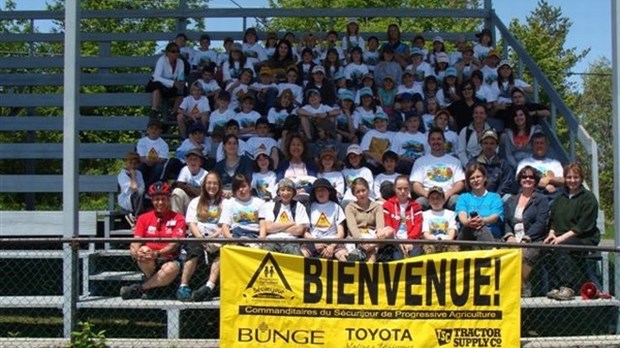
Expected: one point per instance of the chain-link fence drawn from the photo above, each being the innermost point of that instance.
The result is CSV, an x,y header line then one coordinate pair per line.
x,y
568,298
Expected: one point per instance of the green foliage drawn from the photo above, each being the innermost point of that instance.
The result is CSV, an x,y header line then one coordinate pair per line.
x,y
594,109
372,24
87,338
543,35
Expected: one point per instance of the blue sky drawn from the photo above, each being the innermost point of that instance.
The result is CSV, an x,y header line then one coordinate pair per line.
x,y
591,21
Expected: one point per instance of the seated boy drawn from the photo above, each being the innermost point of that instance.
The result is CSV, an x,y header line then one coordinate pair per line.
x,y
222,114
263,141
131,183
189,182
389,161
438,223
194,109
285,218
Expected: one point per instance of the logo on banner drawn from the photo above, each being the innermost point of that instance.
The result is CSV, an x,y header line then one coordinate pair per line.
x,y
469,337
444,336
268,282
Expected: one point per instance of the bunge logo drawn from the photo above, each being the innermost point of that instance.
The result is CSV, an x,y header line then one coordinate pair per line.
x,y
268,282
264,334
444,336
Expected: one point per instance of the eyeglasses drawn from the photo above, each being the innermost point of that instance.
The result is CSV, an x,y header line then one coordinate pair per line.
x,y
532,177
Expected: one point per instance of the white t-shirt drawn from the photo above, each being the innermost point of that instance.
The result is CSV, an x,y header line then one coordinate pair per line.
x,y
263,183
452,142
547,167
124,196
371,59
355,72
438,223
242,150
377,142
247,120
218,119
152,149
284,216
208,226
265,143
188,145
410,145
277,118
442,171
415,89
325,218
193,106
351,174
485,94
365,117
236,213
320,109
349,42
380,179
502,95
200,58
298,91
489,74
256,51
336,179
422,71
208,87
192,180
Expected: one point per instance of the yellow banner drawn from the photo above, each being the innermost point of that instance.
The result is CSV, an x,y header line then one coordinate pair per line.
x,y
457,299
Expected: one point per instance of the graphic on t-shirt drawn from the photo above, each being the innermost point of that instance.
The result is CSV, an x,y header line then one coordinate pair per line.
x,y
322,222
262,187
413,149
247,123
490,78
213,214
402,229
283,218
419,75
195,110
152,154
378,145
246,216
545,172
440,173
438,226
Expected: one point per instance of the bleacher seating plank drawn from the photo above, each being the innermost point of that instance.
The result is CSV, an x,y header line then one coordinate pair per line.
x,y
38,254
55,150
44,223
543,302
117,302
94,79
53,183
117,276
31,302
86,123
86,99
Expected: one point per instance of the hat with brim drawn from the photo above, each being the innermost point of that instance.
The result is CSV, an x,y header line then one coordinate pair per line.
x,y
354,149
436,189
194,152
286,183
489,133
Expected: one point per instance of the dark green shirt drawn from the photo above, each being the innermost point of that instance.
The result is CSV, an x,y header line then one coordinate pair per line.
x,y
578,213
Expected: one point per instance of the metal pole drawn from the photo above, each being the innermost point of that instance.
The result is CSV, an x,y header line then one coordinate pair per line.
x,y
615,63
70,162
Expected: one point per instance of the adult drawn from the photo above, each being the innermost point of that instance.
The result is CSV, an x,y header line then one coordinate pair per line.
x,y
298,165
463,109
515,142
282,59
537,111
550,169
572,221
203,214
158,261
437,169
168,80
499,172
469,137
233,163
480,212
526,216
401,50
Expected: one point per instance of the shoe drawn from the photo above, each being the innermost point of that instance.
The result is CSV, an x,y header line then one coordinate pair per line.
x,y
204,293
551,294
184,293
131,292
526,290
155,114
356,255
131,220
565,294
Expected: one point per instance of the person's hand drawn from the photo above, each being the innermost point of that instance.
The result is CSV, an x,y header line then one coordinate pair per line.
x,y
328,251
550,238
550,188
145,253
511,239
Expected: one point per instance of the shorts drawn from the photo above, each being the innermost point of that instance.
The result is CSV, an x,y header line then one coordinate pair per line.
x,y
310,247
166,92
287,248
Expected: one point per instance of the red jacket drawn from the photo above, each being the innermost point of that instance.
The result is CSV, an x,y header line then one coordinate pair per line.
x,y
170,225
413,217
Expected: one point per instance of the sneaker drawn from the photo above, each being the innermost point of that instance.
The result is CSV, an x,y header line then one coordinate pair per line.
x,y
565,294
551,294
131,292
184,293
356,255
131,220
204,293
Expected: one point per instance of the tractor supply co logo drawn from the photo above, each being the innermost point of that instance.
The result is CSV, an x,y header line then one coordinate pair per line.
x,y
268,282
469,337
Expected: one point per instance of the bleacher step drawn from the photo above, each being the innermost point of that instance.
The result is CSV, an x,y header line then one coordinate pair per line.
x,y
117,276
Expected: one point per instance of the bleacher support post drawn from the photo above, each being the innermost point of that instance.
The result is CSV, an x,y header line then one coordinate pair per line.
x,y
615,63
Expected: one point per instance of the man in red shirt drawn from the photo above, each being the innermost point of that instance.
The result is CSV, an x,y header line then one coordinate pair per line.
x,y
158,261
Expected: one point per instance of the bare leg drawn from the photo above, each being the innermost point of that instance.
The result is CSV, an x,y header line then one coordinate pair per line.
x,y
155,99
181,124
163,277
188,270
305,126
215,271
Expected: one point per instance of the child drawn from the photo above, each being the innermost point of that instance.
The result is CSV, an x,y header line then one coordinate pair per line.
x,y
368,81
204,56
438,47
377,141
292,75
352,38
419,43
428,117
411,143
389,161
442,120
314,111
355,167
251,46
387,94
247,116
404,215
438,223
209,85
356,69
441,64
232,128
188,182
408,85
266,91
283,219
304,68
330,43
239,217
264,178
239,88
236,63
484,44
326,137
420,68
346,120
219,117
326,222
262,141
371,54
285,106
450,91
153,151
330,169
131,183
366,111
196,140
332,63
194,108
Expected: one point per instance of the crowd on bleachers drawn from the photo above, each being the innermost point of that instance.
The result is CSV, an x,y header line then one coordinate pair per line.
x,y
354,137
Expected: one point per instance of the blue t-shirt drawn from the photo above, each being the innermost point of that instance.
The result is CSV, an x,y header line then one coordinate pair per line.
x,y
486,205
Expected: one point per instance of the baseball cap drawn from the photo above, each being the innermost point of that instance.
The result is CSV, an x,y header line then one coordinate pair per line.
x,y
416,51
354,149
260,151
451,71
194,152
365,91
286,183
312,90
345,94
380,115
438,38
436,189
489,133
318,68
504,62
442,57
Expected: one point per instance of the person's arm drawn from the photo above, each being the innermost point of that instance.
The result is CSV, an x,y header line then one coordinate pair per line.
x,y
349,212
538,229
416,231
458,187
190,190
419,190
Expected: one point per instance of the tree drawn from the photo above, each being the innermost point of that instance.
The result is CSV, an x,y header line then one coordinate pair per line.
x,y
594,107
543,35
372,24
